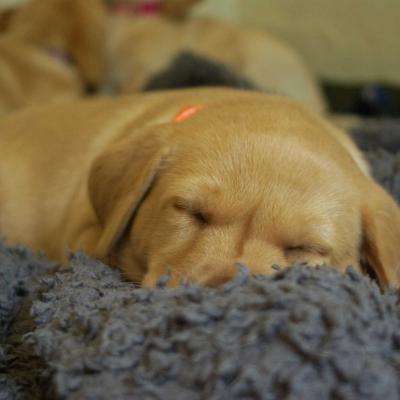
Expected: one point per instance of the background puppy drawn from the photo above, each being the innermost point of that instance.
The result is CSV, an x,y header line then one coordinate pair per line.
x,y
177,8
74,29
120,53
235,177
171,8
5,17
139,48
51,50
30,76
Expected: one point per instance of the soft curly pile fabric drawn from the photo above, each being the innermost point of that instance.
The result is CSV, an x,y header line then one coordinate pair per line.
x,y
23,374
303,333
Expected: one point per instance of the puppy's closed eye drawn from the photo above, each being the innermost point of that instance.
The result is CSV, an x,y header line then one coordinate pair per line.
x,y
199,216
306,248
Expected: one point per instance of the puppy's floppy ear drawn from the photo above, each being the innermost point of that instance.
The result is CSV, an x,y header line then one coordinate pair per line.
x,y
381,236
119,180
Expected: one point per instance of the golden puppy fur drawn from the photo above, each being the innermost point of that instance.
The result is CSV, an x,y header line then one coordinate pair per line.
x,y
5,17
249,178
75,27
29,76
177,8
140,47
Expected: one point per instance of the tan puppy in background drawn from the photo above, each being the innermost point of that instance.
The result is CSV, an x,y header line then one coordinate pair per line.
x,y
177,8
122,53
192,182
50,51
138,48
29,76
5,17
75,28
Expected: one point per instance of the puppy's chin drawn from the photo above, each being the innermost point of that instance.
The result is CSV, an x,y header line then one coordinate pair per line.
x,y
216,278
152,280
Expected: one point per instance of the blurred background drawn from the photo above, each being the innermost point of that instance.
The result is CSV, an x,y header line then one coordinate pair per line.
x,y
350,46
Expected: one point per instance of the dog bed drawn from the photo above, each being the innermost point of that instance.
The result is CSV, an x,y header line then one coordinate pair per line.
x,y
302,333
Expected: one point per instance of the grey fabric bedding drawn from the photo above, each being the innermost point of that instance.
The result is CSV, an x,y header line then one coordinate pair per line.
x,y
302,333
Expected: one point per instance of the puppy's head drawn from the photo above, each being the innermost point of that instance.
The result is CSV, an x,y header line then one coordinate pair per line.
x,y
258,185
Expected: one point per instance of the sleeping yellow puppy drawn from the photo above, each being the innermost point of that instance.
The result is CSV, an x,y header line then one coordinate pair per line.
x,y
192,182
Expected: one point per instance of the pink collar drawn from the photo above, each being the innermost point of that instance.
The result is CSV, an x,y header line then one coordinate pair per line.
x,y
141,8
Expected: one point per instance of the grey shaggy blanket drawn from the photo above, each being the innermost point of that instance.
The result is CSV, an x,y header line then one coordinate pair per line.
x,y
302,333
